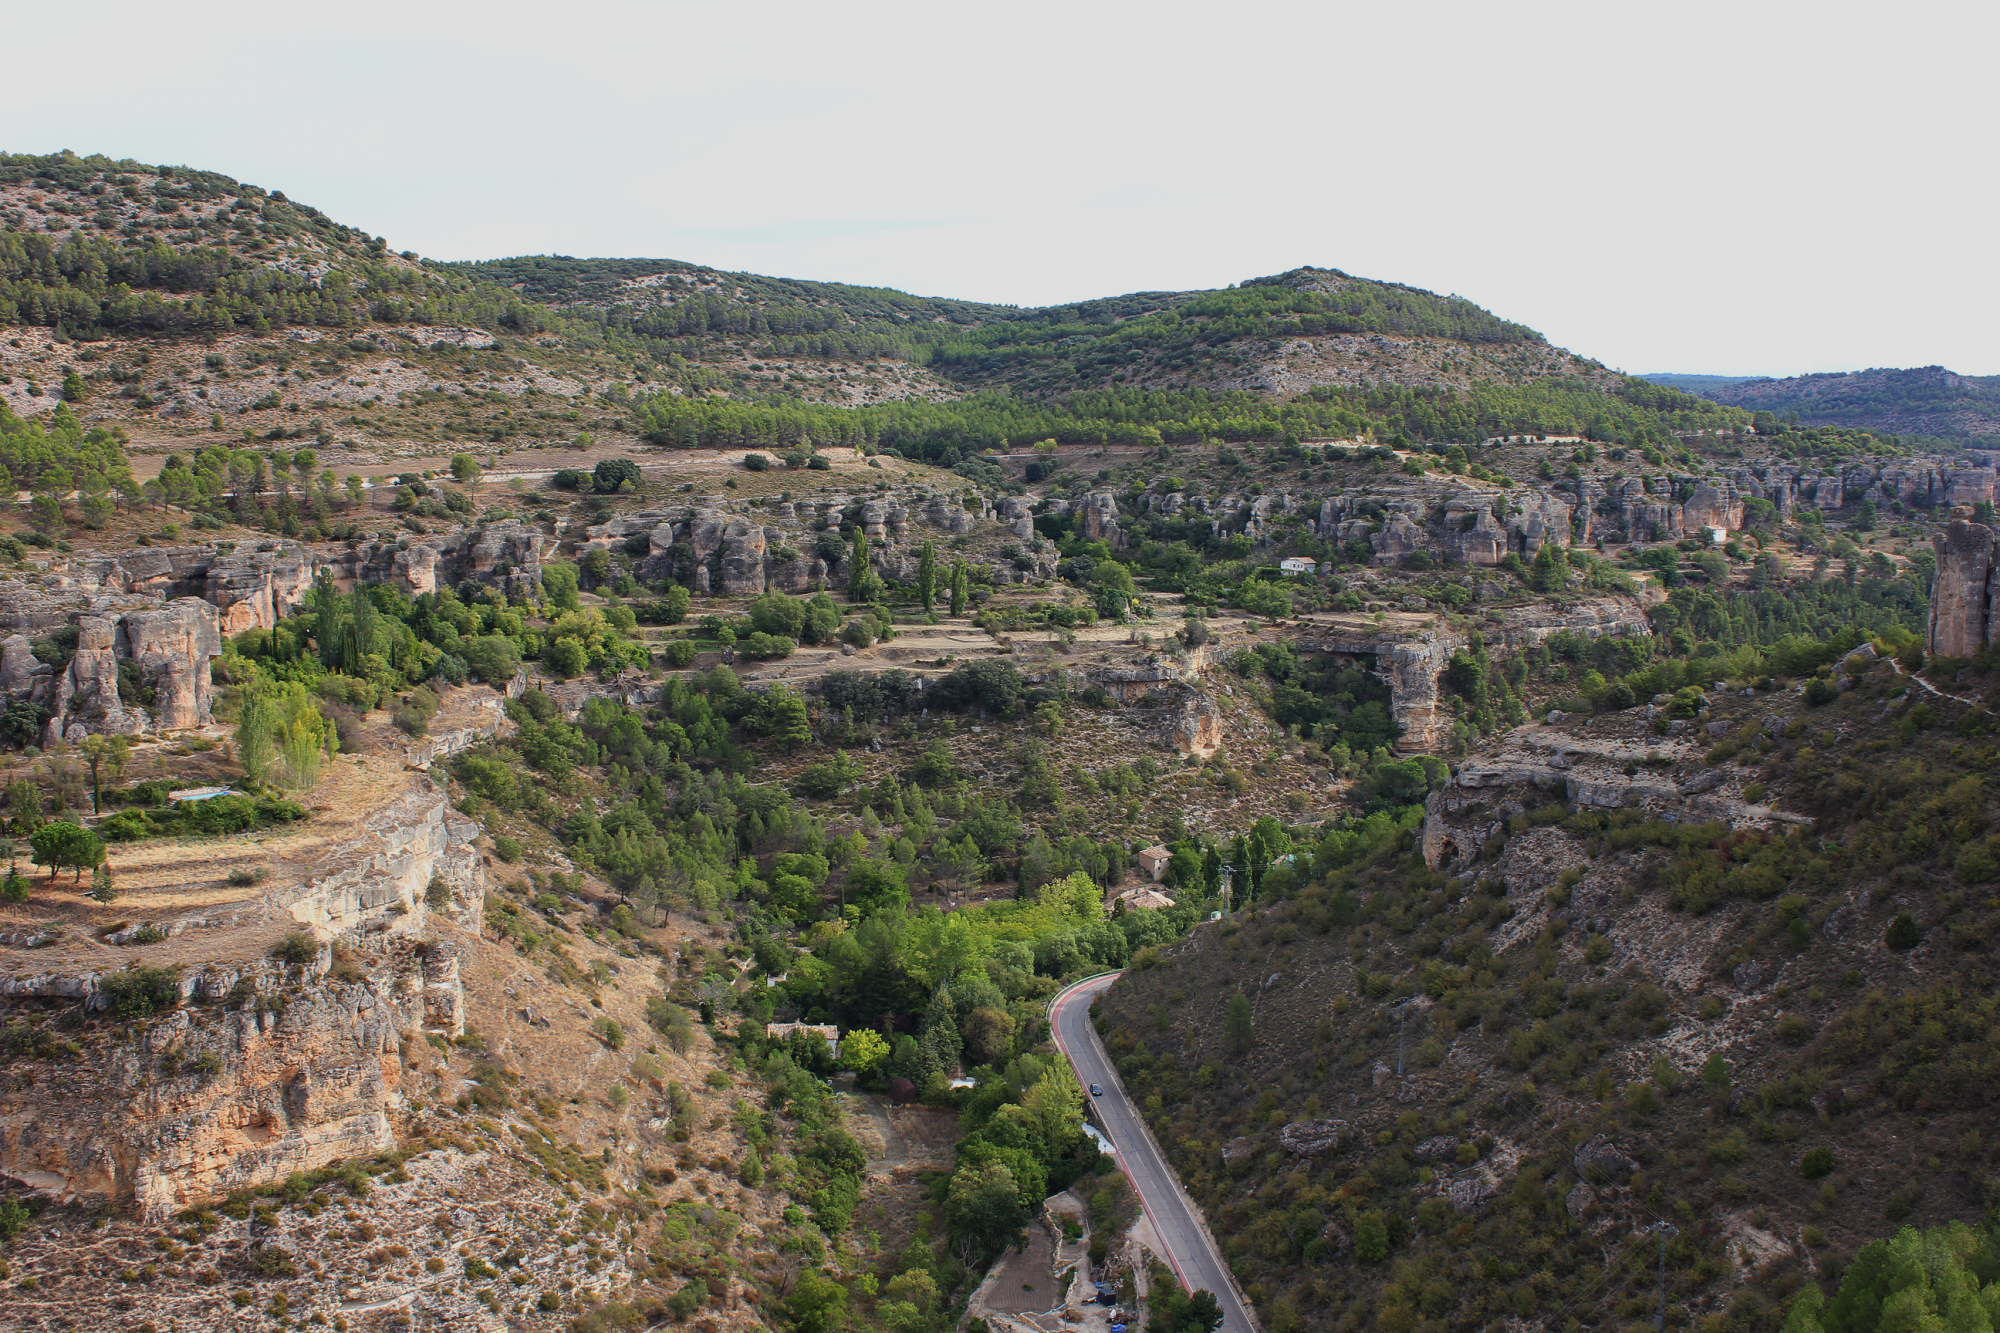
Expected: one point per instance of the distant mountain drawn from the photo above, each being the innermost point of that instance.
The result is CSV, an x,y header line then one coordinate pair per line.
x,y
1928,400
1697,384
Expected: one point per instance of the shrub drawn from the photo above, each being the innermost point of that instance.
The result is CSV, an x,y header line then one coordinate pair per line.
x,y
126,826
1820,691
507,848
613,475
437,895
757,462
1903,933
1816,1163
679,653
297,947
269,1261
141,991
494,658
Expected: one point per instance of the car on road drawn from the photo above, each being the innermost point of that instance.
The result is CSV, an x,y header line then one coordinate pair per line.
x,y
1096,1091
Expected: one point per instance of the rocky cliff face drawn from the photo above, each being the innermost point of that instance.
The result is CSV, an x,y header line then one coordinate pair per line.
x,y
1412,655
1583,762
376,884
169,646
263,1068
1968,578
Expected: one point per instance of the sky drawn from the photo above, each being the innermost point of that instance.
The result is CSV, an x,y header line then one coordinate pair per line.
x,y
1725,188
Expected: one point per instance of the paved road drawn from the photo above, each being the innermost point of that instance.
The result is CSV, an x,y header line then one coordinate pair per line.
x,y
1174,1217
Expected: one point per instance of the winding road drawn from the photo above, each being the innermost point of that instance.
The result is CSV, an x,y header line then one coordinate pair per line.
x,y
1190,1250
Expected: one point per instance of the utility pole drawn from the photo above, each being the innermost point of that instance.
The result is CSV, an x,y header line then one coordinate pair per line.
x,y
1664,1230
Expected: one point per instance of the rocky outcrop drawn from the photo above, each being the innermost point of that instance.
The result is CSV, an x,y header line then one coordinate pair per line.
x,y
1198,729
1312,1138
170,647
263,1069
1097,519
1637,769
375,885
257,589
1602,1162
1962,595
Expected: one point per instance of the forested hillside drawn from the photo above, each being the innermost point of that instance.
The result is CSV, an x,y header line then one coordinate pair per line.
x,y
1448,1092
1928,400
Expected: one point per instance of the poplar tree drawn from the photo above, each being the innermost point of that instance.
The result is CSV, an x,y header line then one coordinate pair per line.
x,y
927,577
961,587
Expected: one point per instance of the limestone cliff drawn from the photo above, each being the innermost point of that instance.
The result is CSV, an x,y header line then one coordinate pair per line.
x,y
259,1068
1968,577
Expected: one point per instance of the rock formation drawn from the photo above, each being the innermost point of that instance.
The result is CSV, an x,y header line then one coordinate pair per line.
x,y
1968,577
266,1068
169,648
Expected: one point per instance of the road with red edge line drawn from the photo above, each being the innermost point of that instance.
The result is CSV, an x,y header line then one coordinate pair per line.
x,y
1193,1258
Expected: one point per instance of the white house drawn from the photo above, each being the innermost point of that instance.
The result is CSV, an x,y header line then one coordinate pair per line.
x,y
1718,536
1294,564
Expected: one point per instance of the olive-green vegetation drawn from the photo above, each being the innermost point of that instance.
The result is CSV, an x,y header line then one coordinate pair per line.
x,y
1927,400
1527,1047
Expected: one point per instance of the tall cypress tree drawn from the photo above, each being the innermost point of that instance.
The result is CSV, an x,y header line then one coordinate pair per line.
x,y
858,573
961,587
927,577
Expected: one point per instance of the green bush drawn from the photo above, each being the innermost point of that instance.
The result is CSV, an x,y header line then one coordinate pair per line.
x,y
757,462
1903,934
507,848
297,947
679,653
126,826
141,991
493,658
1816,1163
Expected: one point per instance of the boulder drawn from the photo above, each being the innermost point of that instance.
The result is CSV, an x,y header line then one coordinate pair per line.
x,y
1441,1145
1600,1160
1468,1194
1311,1138
1707,780
1580,1201
1238,1150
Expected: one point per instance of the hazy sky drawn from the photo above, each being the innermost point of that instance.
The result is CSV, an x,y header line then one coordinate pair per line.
x,y
1725,187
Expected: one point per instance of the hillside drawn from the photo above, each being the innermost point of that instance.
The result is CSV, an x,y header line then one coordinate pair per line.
x,y
497,704
1731,973
1927,401
190,309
